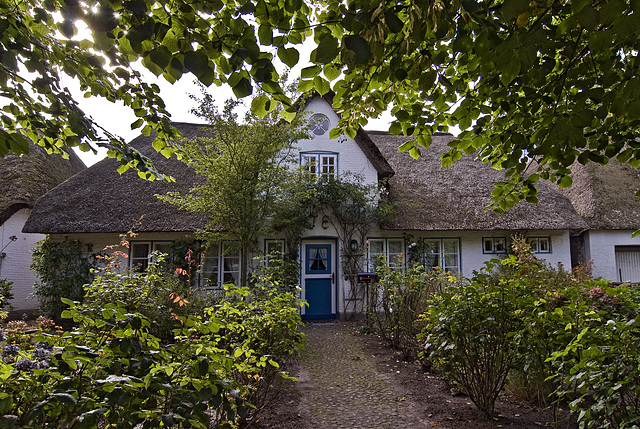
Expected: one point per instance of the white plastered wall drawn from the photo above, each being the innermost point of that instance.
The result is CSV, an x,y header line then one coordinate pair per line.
x,y
600,248
472,257
18,257
350,156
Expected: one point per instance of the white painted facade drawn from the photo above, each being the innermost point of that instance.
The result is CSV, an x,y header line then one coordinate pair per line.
x,y
600,247
16,259
350,156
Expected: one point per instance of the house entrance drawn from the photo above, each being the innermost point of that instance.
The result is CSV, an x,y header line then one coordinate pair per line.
x,y
319,279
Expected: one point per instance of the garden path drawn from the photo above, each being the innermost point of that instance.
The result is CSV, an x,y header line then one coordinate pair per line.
x,y
341,387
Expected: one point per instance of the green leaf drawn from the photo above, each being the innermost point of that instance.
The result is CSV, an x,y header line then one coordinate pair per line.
x,y
243,88
406,146
326,51
394,23
289,56
196,62
161,57
258,105
321,85
65,398
510,71
309,72
360,47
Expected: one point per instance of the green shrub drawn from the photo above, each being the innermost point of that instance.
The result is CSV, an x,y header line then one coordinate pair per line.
x,y
111,371
598,371
6,294
398,299
470,330
63,269
261,332
158,295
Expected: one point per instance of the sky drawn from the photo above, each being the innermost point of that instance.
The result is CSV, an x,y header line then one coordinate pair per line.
x,y
117,118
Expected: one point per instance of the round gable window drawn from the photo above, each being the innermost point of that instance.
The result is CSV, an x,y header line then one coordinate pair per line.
x,y
319,124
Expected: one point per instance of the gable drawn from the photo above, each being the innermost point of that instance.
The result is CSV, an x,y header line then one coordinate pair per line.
x,y
359,156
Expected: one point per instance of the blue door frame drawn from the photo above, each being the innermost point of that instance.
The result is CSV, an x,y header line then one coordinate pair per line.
x,y
319,279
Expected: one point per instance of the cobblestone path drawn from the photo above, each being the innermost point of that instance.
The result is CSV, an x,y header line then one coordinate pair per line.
x,y
341,387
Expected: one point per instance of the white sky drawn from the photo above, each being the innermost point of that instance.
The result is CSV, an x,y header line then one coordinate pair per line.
x,y
117,119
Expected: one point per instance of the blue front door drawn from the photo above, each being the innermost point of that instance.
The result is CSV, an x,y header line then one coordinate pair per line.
x,y
319,281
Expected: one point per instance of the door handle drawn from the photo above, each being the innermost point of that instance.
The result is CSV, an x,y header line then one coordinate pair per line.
x,y
333,278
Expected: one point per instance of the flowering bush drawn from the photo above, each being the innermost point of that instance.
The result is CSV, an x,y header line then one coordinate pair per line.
x,y
110,370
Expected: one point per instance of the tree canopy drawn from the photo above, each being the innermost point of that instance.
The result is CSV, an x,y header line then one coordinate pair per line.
x,y
533,86
246,168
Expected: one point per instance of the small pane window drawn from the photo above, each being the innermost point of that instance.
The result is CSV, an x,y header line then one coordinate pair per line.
x,y
210,268
494,245
376,248
431,256
230,265
310,163
328,166
539,244
140,257
396,252
274,249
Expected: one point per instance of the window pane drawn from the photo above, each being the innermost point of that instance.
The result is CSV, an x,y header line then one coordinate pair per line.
x,y
533,242
328,166
231,266
140,250
499,245
543,244
139,257
310,162
450,246
376,248
396,253
488,245
210,270
318,259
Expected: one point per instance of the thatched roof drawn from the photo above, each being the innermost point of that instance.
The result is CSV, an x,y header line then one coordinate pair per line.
x,y
101,200
429,197
27,178
604,195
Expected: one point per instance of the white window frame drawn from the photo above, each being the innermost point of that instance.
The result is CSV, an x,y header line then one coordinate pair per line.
x,y
395,260
494,245
277,242
320,164
540,244
225,254
442,254
152,246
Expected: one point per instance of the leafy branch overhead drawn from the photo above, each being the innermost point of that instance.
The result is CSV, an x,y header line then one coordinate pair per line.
x,y
97,43
533,86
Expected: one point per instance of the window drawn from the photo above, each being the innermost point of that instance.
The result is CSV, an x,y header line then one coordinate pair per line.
x,y
328,166
220,265
494,245
540,244
439,252
392,250
320,164
273,249
140,253
310,163
319,124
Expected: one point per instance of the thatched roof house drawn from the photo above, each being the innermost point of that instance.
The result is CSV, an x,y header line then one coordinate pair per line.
x,y
430,197
604,195
27,178
100,200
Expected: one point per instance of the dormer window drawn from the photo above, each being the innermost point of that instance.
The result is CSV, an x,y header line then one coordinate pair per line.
x,y
322,165
319,124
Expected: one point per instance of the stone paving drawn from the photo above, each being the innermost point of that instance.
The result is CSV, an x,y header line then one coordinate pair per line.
x,y
341,387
